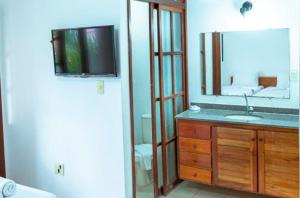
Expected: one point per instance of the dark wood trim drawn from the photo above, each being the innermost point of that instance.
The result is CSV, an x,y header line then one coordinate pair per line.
x,y
203,54
2,151
214,159
216,63
168,142
153,101
173,184
184,58
261,161
167,3
171,140
254,163
162,104
131,98
171,97
169,53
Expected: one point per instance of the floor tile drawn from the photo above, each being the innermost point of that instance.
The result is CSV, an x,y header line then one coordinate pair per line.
x,y
194,190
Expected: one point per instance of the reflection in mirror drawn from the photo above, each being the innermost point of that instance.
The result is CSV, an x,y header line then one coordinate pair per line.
x,y
255,63
141,90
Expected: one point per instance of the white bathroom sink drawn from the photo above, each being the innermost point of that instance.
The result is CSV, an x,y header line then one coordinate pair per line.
x,y
243,117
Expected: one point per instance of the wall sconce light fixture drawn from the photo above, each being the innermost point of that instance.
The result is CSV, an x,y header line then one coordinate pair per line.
x,y
246,7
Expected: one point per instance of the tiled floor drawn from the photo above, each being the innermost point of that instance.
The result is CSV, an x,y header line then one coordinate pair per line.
x,y
193,190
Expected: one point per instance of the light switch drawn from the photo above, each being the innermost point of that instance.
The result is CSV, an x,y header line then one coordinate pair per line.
x,y
100,87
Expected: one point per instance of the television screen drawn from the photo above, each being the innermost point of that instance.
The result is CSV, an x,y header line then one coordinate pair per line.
x,y
84,51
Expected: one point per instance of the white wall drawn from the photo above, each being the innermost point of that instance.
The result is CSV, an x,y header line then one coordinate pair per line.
x,y
125,98
223,16
52,119
209,64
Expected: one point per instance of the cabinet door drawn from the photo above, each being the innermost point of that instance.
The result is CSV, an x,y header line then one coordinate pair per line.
x,y
235,158
278,155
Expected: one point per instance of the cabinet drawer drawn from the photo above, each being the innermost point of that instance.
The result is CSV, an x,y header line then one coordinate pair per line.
x,y
196,160
194,130
195,174
195,145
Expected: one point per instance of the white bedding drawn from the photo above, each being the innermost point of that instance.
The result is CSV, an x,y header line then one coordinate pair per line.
x,y
235,90
273,92
27,192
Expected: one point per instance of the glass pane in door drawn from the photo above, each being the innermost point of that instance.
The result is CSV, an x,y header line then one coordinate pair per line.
x,y
155,30
169,119
178,74
177,31
156,73
160,166
158,123
167,67
179,105
172,162
166,30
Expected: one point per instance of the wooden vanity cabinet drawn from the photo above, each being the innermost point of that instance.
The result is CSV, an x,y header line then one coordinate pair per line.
x,y
235,158
278,157
194,142
247,158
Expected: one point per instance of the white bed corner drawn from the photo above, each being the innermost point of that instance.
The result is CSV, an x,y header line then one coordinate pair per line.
x,y
273,92
236,90
27,192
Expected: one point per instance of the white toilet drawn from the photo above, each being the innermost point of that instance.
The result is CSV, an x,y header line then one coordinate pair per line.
x,y
144,154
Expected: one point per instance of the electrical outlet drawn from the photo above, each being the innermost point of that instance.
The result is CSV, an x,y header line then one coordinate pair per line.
x,y
100,87
60,169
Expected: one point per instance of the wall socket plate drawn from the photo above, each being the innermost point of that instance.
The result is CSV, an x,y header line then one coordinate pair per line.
x,y
100,87
59,169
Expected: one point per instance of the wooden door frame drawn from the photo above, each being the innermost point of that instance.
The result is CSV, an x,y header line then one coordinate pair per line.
x,y
169,185
216,43
174,4
203,55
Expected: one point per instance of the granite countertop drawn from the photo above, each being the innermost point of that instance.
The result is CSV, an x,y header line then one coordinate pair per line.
x,y
269,119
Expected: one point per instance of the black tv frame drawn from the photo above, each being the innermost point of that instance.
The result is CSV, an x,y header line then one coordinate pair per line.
x,y
85,75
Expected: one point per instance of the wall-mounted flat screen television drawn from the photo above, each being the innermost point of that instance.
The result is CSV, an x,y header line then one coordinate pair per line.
x,y
84,51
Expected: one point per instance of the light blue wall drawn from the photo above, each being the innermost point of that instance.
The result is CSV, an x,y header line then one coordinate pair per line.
x,y
51,119
209,64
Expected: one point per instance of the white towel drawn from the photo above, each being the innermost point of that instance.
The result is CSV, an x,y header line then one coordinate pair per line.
x,y
145,150
7,187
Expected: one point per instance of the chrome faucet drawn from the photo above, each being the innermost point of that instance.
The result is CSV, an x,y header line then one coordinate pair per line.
x,y
249,110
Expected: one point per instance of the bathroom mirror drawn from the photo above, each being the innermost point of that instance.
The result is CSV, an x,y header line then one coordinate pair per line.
x,y
252,63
